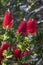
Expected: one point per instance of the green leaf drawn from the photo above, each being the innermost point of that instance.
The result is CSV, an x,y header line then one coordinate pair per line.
x,y
5,53
10,56
2,37
3,63
20,46
4,2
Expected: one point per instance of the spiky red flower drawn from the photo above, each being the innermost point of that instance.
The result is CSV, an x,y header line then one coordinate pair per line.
x,y
1,56
17,54
0,62
31,26
5,46
8,20
22,28
24,31
26,53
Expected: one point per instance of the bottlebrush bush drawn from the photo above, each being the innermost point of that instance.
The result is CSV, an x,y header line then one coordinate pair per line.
x,y
20,46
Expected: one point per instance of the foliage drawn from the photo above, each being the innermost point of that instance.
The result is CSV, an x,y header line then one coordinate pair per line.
x,y
17,49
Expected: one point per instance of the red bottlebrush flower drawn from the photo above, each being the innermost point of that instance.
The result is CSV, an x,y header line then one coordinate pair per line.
x,y
8,20
31,26
5,46
22,28
0,61
26,53
1,56
24,31
17,54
